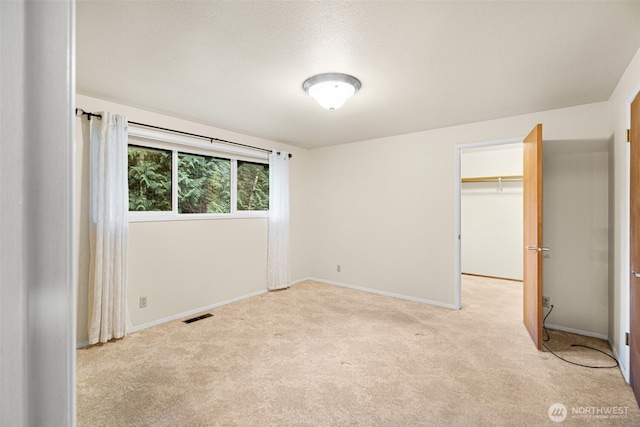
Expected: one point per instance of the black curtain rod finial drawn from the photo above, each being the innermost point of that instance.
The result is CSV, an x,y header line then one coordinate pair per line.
x,y
80,112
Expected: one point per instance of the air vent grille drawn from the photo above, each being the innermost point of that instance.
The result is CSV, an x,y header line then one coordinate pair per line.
x,y
195,319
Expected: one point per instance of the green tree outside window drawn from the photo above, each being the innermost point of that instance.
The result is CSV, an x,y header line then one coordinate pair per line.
x,y
253,186
204,184
149,179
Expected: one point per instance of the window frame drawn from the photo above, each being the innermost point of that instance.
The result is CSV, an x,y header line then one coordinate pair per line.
x,y
182,144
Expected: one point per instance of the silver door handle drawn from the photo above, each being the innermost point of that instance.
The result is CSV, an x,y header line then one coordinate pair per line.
x,y
537,249
637,275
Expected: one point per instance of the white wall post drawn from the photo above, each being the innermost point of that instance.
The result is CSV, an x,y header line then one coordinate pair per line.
x,y
37,274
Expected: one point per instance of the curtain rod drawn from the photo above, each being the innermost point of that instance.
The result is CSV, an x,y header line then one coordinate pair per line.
x,y
80,112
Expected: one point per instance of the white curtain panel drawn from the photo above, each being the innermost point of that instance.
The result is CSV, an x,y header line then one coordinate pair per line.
x,y
109,228
278,252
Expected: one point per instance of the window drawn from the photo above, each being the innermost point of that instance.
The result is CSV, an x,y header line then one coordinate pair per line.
x,y
253,186
149,179
168,183
204,184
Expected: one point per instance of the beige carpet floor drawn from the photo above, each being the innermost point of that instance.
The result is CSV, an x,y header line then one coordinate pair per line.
x,y
321,355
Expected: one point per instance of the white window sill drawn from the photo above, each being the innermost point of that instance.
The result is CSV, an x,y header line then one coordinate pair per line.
x,y
171,216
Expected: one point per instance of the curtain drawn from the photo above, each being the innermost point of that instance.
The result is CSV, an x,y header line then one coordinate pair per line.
x,y
109,227
278,252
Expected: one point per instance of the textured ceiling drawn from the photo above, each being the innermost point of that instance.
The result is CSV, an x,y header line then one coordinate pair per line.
x,y
423,65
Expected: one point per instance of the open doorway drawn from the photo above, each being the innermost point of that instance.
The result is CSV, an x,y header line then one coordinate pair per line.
x,y
577,190
489,210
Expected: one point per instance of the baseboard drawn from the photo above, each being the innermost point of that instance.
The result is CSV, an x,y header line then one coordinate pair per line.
x,y
184,314
379,292
578,331
623,368
194,311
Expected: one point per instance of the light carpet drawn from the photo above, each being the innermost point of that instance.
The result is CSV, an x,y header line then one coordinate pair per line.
x,y
322,355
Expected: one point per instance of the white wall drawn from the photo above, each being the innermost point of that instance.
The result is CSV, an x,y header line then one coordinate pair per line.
x,y
384,209
493,160
576,229
181,266
619,121
491,214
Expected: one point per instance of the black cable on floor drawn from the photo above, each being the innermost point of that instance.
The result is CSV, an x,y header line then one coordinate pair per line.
x,y
544,327
544,321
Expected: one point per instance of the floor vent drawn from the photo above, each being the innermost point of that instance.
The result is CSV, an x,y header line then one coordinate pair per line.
x,y
195,319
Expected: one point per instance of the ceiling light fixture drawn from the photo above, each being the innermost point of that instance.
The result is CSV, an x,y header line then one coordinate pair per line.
x,y
331,90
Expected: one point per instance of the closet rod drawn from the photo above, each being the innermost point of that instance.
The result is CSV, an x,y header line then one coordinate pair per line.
x,y
80,112
509,178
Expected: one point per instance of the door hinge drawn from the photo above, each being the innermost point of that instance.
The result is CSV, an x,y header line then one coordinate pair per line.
x,y
628,135
626,338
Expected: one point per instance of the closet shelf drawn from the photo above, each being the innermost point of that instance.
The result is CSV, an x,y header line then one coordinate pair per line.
x,y
508,178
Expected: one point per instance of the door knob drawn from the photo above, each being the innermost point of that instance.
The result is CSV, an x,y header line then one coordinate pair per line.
x,y
637,275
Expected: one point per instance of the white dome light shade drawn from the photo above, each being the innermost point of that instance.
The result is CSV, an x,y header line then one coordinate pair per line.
x,y
331,90
331,95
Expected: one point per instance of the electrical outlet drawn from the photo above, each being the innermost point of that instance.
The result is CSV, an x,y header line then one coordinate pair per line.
x,y
546,302
339,268
143,302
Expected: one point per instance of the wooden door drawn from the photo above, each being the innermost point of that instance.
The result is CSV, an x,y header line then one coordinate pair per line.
x,y
634,243
532,196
